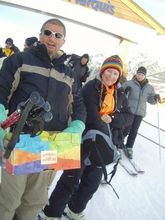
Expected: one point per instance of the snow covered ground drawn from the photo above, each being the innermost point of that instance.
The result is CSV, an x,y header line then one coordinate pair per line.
x,y
141,197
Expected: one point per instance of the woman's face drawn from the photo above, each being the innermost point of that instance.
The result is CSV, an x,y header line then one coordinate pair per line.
x,y
110,76
140,76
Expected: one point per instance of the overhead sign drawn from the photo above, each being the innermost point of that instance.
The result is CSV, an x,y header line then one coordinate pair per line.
x,y
96,5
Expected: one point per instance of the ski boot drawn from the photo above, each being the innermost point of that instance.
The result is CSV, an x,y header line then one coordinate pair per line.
x,y
75,216
42,216
128,152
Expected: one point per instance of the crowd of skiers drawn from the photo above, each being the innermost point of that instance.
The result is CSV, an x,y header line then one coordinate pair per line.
x,y
104,113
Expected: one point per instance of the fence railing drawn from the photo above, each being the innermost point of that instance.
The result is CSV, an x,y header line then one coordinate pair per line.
x,y
149,138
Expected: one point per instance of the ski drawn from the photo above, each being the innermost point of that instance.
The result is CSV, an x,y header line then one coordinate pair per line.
x,y
133,163
135,166
64,216
128,170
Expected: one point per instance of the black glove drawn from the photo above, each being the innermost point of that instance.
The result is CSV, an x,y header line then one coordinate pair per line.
x,y
117,136
157,97
128,89
83,79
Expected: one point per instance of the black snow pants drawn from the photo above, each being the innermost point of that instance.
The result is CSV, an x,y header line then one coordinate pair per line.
x,y
132,131
63,194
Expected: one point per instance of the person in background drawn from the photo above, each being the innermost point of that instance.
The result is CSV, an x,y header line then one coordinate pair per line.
x,y
139,92
10,48
106,106
29,41
81,69
40,69
5,52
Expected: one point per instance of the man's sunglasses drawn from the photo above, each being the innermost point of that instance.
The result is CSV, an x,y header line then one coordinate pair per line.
x,y
56,34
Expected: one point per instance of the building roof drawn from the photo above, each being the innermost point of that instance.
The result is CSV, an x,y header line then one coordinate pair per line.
x,y
127,22
130,11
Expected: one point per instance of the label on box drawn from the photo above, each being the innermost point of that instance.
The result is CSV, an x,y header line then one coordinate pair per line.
x,y
48,157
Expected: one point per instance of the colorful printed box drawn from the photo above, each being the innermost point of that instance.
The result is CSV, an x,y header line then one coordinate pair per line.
x,y
58,151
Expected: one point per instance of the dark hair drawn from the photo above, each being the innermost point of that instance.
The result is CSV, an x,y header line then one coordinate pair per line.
x,y
31,40
9,40
56,22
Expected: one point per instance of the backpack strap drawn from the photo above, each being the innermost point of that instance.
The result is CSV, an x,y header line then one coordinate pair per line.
x,y
101,162
112,175
10,52
91,134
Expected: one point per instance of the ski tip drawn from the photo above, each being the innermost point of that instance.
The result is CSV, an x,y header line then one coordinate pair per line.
x,y
134,174
141,171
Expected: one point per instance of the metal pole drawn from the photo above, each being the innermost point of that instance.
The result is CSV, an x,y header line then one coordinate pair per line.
x,y
158,130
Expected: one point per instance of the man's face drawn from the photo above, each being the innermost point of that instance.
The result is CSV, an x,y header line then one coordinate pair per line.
x,y
84,60
26,46
52,44
8,45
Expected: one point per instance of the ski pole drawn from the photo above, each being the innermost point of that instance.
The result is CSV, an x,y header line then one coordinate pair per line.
x,y
158,130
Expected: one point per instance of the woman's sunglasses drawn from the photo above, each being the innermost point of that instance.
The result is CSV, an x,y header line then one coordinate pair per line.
x,y
56,34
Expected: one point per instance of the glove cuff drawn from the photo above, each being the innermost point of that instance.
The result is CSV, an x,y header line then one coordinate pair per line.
x,y
2,108
79,124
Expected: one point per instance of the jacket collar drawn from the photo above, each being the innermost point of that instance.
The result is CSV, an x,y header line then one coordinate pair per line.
x,y
40,50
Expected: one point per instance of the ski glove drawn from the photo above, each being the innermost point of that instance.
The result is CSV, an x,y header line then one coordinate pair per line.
x,y
3,117
76,126
157,97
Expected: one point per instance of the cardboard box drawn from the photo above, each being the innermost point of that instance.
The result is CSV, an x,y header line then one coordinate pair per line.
x,y
58,151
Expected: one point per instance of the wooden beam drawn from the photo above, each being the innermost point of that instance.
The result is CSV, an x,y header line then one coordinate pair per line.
x,y
145,16
124,46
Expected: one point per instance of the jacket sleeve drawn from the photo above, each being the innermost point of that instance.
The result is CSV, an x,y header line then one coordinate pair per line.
x,y
10,67
91,101
123,117
78,107
151,96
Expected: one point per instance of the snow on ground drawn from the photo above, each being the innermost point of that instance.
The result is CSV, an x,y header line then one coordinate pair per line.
x,y
141,197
